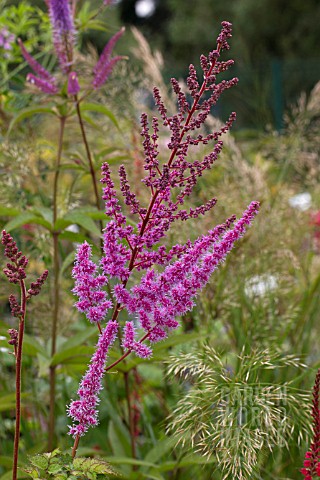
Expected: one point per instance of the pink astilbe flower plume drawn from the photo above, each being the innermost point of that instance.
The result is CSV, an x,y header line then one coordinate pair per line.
x,y
84,411
157,296
89,286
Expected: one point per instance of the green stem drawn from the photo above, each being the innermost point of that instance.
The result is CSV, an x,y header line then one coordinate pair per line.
x,y
89,156
18,381
130,416
56,290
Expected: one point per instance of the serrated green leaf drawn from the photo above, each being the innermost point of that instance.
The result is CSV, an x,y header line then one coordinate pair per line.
x,y
54,468
39,461
29,112
33,472
94,107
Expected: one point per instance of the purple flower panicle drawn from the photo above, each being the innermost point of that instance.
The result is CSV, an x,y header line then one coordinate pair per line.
x,y
84,411
15,269
35,287
132,242
161,297
89,286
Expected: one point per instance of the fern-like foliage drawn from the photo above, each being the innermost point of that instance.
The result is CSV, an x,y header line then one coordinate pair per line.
x,y
235,410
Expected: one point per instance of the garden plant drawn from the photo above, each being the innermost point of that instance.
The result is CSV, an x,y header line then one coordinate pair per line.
x,y
135,361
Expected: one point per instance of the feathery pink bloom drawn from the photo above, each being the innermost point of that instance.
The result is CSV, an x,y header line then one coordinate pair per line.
x,y
84,411
89,286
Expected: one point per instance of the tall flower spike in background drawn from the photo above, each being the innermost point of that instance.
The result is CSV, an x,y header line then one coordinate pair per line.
x,y
63,31
159,297
63,36
15,271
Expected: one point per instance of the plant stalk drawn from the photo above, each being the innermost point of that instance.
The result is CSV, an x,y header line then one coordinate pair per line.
x,y
56,290
18,380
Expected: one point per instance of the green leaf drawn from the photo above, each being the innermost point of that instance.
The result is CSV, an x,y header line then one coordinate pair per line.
x,y
5,461
73,237
161,448
44,364
67,262
29,112
79,338
33,472
93,465
39,461
54,468
70,355
32,347
84,221
8,211
94,107
27,218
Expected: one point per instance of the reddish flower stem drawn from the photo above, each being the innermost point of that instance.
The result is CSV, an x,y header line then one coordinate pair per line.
x,y
18,380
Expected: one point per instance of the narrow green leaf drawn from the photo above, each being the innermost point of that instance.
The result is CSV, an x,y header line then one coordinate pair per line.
x,y
84,221
26,218
67,262
32,347
94,107
29,112
160,449
79,338
70,355
8,211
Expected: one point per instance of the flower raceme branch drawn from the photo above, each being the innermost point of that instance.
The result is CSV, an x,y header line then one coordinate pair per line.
x,y
160,296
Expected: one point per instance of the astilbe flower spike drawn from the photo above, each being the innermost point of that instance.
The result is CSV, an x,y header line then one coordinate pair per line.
x,y
89,286
311,464
84,410
160,296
